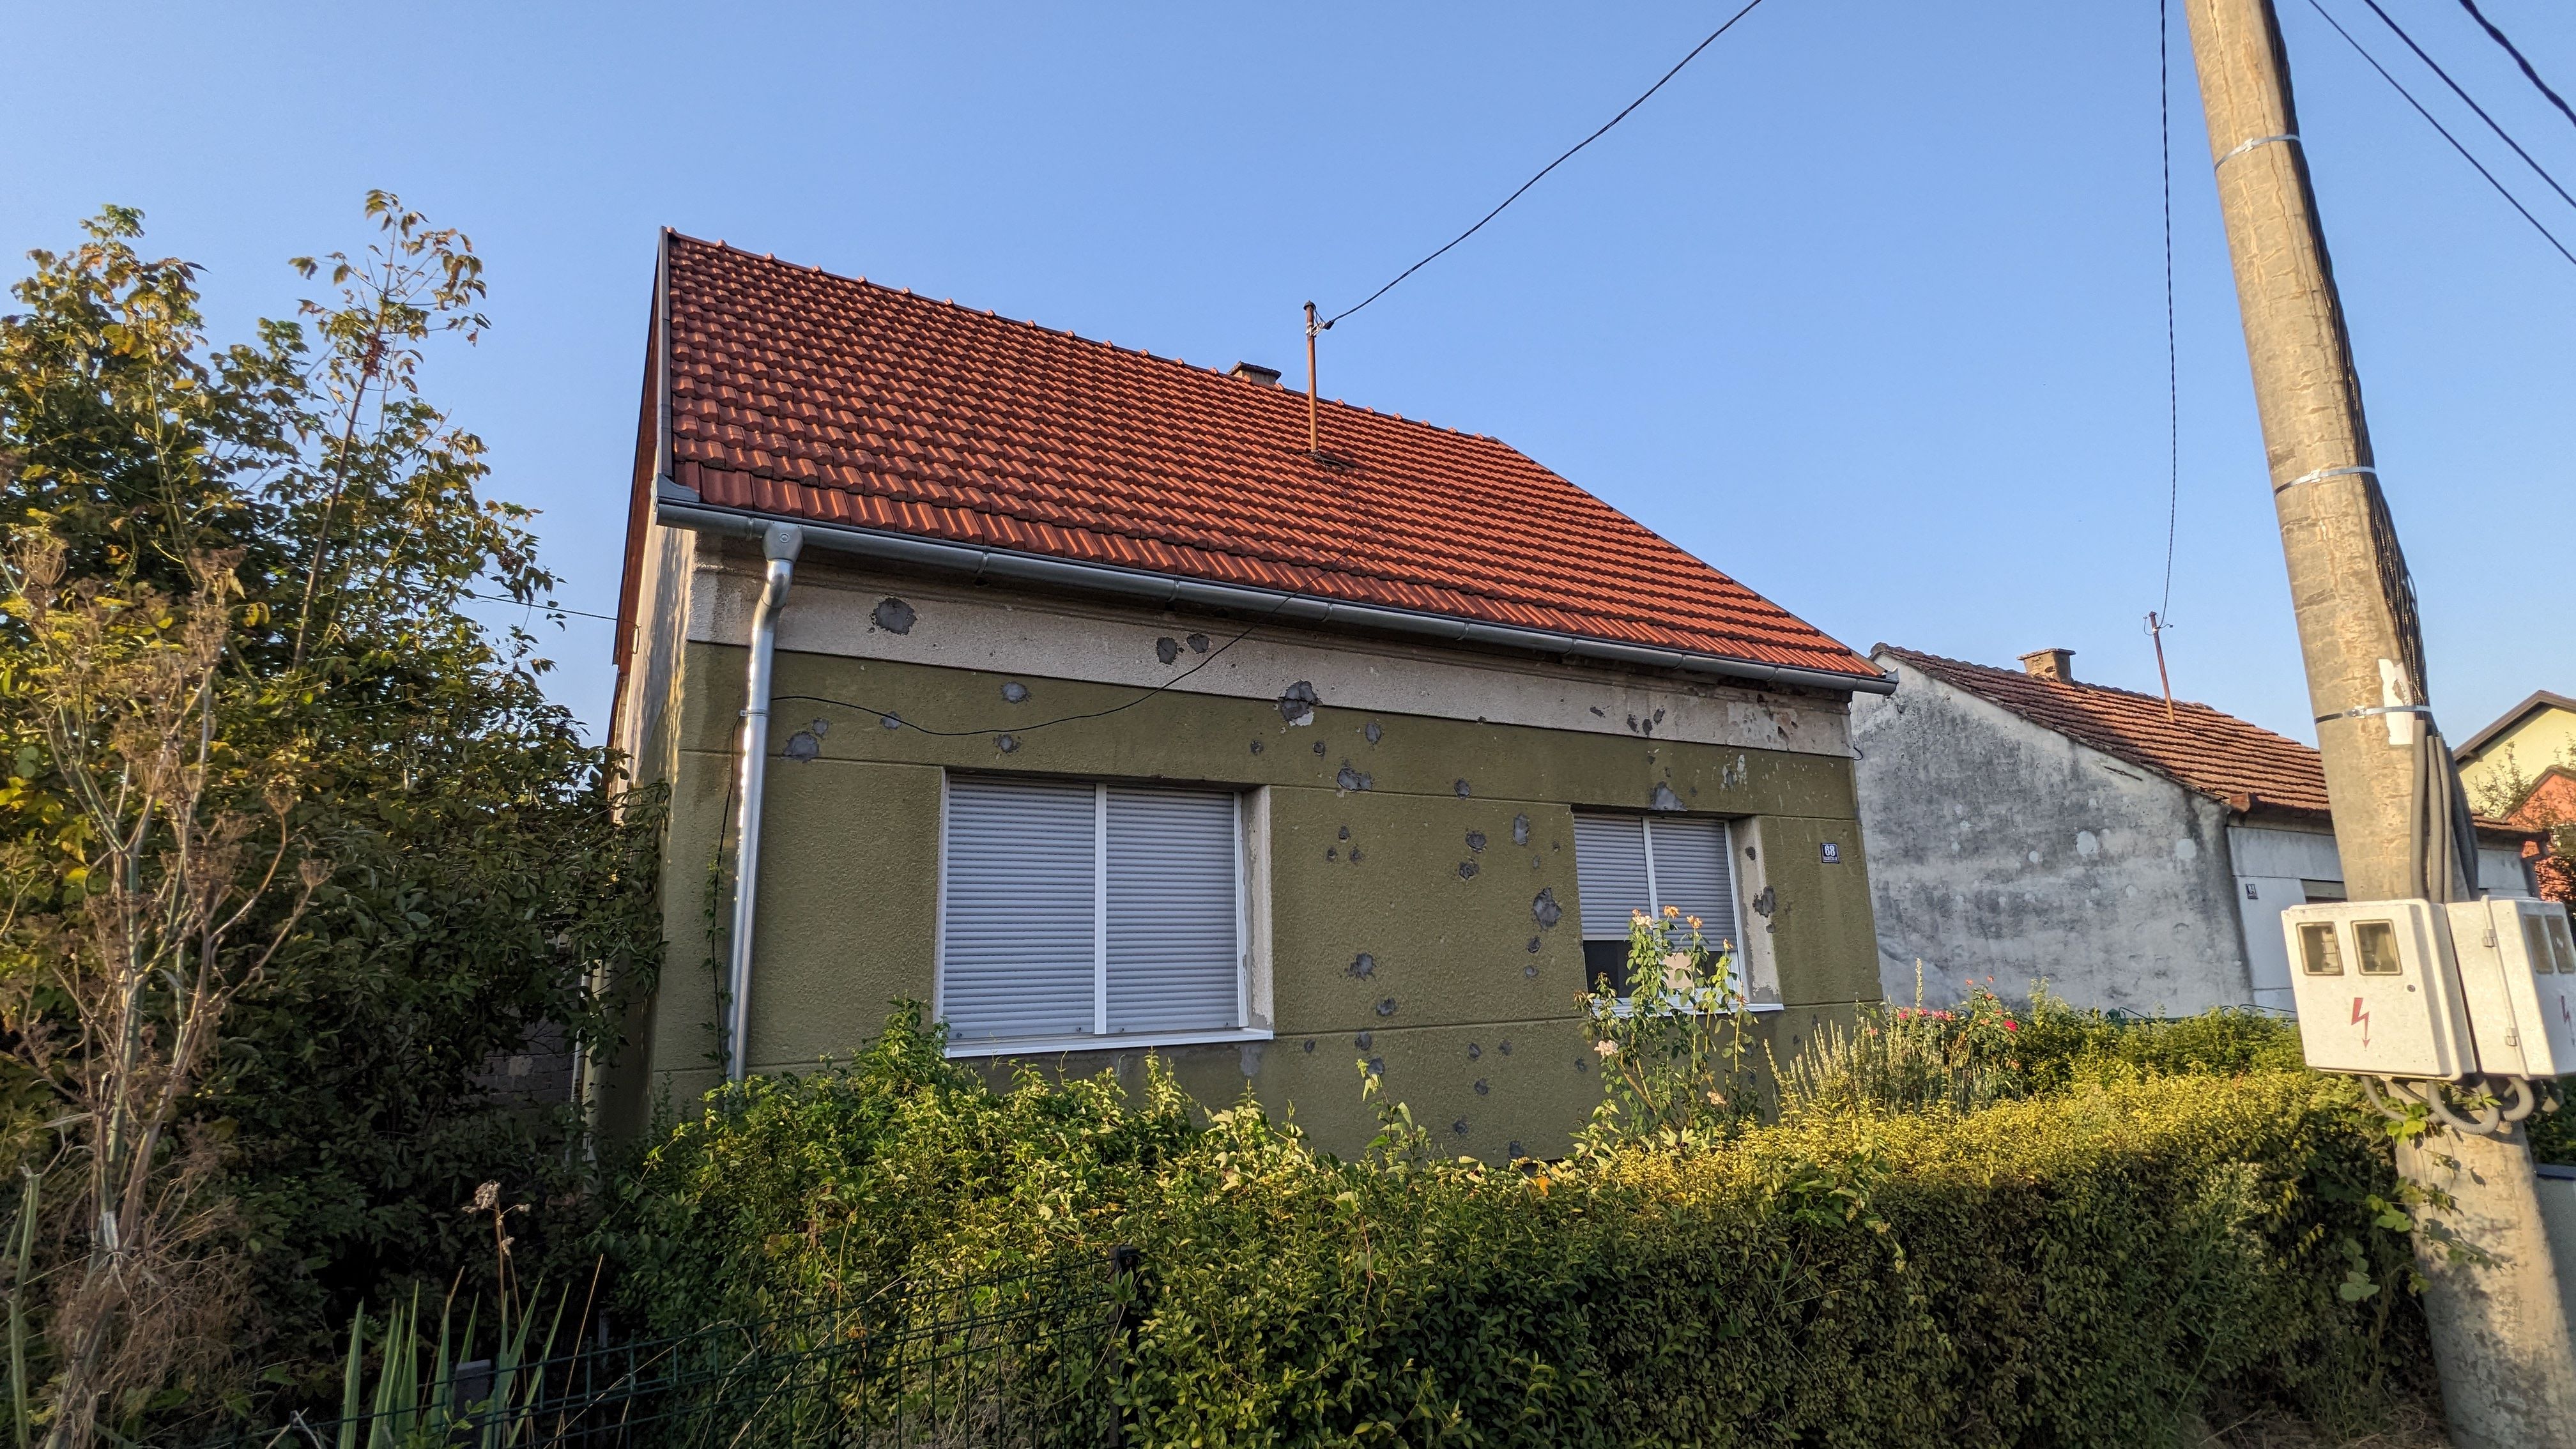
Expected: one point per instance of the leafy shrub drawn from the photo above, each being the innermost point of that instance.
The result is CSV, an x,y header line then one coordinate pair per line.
x,y
2079,1268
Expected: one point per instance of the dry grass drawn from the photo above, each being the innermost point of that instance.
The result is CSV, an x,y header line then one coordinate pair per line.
x,y
2413,1424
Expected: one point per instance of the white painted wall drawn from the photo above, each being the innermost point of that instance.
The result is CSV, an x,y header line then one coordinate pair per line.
x,y
1009,632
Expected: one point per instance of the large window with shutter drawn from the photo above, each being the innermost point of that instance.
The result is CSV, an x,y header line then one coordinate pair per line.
x,y
1072,913
1629,863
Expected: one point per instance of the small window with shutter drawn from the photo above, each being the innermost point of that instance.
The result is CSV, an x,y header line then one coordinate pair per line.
x,y
1072,911
1629,863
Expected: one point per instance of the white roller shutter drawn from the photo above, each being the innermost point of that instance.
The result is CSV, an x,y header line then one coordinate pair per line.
x,y
1174,953
1019,944
1610,878
1692,872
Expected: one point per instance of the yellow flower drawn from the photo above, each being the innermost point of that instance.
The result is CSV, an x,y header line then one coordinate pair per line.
x,y
1671,911
1694,922
1606,1048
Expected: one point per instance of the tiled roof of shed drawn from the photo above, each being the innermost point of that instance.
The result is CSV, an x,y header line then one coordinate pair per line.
x,y
811,396
2216,754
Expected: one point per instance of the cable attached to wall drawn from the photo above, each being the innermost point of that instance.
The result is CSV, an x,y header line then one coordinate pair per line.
x,y
894,721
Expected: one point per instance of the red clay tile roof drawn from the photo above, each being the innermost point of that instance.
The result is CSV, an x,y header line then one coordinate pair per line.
x,y
2216,754
811,396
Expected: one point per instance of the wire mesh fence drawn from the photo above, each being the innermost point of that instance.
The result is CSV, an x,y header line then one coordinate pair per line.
x,y
1022,1360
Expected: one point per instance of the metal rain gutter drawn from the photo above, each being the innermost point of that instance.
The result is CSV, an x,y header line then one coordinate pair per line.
x,y
781,542
1167,589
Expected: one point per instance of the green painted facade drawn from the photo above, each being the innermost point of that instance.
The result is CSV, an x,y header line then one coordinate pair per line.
x,y
1482,1037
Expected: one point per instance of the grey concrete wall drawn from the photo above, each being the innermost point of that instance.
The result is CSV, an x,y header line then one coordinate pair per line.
x,y
2001,849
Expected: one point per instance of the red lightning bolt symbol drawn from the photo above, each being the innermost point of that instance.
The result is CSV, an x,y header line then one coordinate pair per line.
x,y
2361,1018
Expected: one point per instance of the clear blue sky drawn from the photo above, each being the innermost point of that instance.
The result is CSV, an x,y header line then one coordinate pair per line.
x,y
1865,308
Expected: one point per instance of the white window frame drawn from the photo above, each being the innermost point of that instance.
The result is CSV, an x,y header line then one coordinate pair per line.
x,y
1100,1038
1738,965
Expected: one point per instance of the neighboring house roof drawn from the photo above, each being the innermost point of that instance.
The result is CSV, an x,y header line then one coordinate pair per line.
x,y
2216,754
2540,699
2244,765
810,396
2550,802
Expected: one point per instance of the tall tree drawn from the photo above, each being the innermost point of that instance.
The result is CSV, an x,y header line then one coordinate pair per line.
x,y
297,498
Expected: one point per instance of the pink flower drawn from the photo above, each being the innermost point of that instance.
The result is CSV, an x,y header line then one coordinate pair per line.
x,y
2011,1025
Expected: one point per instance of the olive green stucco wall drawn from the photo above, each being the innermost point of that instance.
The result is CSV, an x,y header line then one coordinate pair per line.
x,y
1470,1003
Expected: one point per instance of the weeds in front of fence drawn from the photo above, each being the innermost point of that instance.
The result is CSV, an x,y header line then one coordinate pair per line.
x,y
1017,1360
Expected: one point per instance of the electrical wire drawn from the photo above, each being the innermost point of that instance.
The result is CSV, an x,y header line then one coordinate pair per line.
x,y
2500,38
548,608
2173,354
1551,166
894,721
2446,135
2470,101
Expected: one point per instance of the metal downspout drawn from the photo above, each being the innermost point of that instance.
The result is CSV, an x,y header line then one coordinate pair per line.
x,y
781,542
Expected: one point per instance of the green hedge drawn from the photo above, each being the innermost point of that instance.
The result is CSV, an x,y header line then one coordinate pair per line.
x,y
2077,1268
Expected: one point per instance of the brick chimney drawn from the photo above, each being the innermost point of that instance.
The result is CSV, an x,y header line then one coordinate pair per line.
x,y
2057,666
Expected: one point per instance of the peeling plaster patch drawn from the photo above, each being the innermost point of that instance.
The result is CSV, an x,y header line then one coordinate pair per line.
x,y
1250,1059
1476,840
1256,747
1474,1051
892,722
1505,1047
1466,870
1014,692
1007,744
1346,833
1297,703
1355,855
1767,902
1516,1152
1374,731
1362,1041
1319,747
2087,844
1350,779
1332,852
1545,910
2186,848
1310,1046
1664,798
2034,857
1463,790
1520,830
1596,709
895,616
1198,643
1167,649
1459,1126
1533,945
1377,1066
802,746
1537,864
1530,971
1483,1087
1363,966
1386,1007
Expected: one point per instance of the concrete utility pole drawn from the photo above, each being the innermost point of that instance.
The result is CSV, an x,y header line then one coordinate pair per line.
x,y
2500,1332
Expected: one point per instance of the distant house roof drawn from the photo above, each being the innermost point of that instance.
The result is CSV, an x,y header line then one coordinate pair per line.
x,y
2246,766
2540,699
809,396
2216,754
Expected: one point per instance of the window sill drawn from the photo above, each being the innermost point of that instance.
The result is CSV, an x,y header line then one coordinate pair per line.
x,y
1627,1008
1048,1046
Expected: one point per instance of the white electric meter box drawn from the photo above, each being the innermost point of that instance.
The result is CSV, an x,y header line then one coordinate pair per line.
x,y
2378,992
2517,969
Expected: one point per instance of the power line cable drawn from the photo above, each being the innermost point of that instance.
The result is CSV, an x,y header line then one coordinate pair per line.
x,y
2470,102
1551,166
2173,354
2429,120
2500,38
532,604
